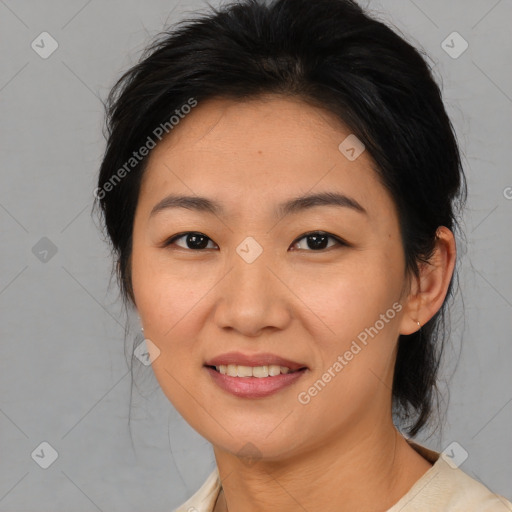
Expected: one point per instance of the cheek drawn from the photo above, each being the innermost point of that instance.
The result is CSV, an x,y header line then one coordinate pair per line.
x,y
169,303
359,308
355,355
172,301
351,295
168,292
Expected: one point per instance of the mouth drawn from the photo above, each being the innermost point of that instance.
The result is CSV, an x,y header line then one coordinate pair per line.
x,y
254,382
273,370
254,376
262,365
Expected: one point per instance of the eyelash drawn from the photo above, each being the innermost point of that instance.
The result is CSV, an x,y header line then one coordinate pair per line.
x,y
338,240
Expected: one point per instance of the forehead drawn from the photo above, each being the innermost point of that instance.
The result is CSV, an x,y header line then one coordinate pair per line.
x,y
265,149
280,122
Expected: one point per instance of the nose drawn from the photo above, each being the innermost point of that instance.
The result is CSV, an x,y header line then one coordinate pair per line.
x,y
252,297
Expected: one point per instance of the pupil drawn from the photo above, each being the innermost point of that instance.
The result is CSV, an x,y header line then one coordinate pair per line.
x,y
318,241
192,240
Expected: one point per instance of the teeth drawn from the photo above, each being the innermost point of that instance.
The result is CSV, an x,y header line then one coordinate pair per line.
x,y
260,371
234,370
274,370
244,371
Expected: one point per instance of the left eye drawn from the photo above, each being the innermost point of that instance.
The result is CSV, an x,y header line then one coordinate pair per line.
x,y
315,240
318,240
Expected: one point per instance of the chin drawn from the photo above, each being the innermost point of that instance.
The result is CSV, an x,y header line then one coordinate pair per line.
x,y
256,446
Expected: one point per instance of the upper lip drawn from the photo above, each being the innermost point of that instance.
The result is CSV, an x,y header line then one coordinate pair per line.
x,y
263,359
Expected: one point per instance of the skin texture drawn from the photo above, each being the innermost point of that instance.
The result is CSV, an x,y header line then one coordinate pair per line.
x,y
340,451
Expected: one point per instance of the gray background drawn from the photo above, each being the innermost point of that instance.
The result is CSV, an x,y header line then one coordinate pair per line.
x,y
63,372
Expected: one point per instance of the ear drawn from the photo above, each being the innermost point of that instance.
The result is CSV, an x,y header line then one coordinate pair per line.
x,y
428,291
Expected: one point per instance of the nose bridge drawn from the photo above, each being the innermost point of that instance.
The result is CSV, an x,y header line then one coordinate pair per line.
x,y
250,297
249,266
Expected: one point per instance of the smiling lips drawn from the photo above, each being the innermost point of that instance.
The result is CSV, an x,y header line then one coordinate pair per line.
x,y
234,370
254,376
256,360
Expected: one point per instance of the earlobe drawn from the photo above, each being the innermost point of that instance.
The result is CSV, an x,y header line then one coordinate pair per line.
x,y
432,284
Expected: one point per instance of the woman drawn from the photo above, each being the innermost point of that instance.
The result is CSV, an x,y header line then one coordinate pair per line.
x,y
280,188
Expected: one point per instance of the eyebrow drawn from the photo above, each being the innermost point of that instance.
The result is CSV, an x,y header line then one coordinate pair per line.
x,y
291,206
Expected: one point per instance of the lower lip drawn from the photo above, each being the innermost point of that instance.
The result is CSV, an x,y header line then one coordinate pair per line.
x,y
254,387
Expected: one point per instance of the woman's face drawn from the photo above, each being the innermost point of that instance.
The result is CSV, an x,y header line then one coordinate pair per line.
x,y
253,282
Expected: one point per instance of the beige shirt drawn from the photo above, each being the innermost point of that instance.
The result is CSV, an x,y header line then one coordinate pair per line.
x,y
442,488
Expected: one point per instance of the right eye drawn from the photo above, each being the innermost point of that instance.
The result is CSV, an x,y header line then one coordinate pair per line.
x,y
193,240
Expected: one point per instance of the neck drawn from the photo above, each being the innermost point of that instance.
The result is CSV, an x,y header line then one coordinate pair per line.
x,y
358,471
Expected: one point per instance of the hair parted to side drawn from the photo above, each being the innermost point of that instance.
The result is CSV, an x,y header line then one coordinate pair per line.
x,y
332,55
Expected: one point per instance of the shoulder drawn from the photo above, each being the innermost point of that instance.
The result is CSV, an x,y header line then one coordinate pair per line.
x,y
446,487
203,500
